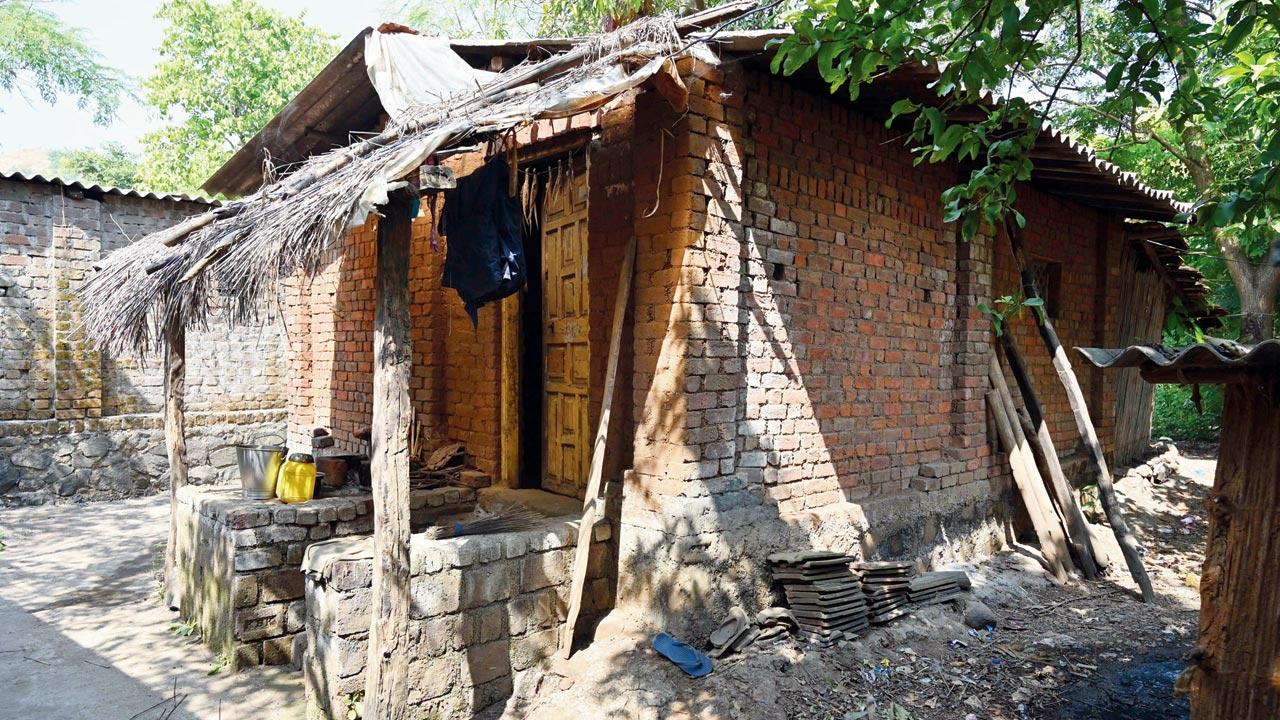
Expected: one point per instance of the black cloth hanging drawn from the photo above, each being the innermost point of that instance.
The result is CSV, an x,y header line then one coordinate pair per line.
x,y
485,260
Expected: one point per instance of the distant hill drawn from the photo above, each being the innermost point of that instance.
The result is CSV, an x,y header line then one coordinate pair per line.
x,y
28,161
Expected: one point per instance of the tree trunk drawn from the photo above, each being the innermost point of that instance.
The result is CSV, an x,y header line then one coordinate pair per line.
x,y
1084,423
1237,658
175,441
386,678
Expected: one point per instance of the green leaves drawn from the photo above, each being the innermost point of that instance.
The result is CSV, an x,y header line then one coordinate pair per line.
x,y
227,69
38,53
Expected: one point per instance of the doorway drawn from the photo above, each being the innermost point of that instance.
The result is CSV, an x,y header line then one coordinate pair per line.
x,y
546,341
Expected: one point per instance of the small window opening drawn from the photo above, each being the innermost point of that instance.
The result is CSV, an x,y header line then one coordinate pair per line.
x,y
1048,275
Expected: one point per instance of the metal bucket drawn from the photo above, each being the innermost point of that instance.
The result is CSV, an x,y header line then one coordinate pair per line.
x,y
259,468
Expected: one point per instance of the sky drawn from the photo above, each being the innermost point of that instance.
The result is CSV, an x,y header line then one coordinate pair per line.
x,y
127,34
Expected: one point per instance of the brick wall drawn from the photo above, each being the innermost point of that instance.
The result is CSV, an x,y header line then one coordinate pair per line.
x,y
75,424
811,364
456,374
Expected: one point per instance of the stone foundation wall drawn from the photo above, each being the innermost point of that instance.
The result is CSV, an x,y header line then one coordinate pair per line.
x,y
115,457
76,424
240,562
484,609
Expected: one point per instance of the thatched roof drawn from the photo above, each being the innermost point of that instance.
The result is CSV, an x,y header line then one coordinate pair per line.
x,y
233,259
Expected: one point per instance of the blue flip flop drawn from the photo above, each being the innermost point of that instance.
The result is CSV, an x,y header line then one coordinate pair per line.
x,y
691,661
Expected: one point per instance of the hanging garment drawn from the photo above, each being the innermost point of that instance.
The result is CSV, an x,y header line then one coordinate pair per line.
x,y
482,221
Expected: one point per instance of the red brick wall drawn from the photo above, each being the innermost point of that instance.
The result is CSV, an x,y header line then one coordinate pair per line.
x,y
1088,246
456,373
807,326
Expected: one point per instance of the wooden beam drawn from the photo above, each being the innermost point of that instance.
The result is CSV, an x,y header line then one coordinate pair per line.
x,y
386,675
592,510
1084,423
1041,440
1050,547
175,443
1236,660
670,86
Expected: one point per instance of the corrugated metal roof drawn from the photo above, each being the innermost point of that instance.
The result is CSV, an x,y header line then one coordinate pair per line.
x,y
1210,355
103,189
1165,249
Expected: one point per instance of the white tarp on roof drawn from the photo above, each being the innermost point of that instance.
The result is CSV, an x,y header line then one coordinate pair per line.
x,y
408,69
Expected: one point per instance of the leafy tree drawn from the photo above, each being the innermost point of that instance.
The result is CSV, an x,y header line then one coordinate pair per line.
x,y
112,164
38,53
1183,90
226,70
460,19
551,18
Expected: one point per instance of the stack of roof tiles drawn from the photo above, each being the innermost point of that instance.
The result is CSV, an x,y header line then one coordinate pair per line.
x,y
823,593
887,587
934,587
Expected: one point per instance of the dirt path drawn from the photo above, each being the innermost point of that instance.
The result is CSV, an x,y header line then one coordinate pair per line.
x,y
82,579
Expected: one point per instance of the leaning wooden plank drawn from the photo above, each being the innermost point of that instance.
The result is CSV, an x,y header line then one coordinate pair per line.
x,y
1056,525
1042,520
1020,477
1042,444
175,442
387,675
1084,423
1051,511
591,510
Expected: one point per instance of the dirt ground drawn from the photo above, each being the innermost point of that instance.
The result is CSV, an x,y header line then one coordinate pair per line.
x,y
1085,651
94,639
97,633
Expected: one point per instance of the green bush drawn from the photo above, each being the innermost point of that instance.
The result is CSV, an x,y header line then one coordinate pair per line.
x,y
1176,416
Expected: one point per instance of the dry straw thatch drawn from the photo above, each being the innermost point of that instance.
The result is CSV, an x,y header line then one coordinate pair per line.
x,y
232,260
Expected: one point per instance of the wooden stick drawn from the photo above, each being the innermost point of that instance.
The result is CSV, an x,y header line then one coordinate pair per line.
x,y
387,675
1024,483
591,510
1084,424
1042,444
175,441
1057,526
1030,486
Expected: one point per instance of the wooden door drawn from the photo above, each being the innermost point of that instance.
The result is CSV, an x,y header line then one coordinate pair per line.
x,y
566,352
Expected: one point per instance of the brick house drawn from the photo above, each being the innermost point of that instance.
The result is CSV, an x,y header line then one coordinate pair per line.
x,y
77,424
804,360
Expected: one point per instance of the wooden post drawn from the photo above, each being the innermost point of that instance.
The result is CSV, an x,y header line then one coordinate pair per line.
x,y
1236,671
1077,527
1084,424
175,441
386,677
591,509
1054,527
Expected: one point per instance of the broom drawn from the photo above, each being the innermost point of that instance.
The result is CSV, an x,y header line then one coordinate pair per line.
x,y
501,520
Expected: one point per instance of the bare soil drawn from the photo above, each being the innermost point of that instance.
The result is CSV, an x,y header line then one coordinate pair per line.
x,y
1085,651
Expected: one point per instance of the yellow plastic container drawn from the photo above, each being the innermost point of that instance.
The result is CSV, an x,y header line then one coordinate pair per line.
x,y
297,481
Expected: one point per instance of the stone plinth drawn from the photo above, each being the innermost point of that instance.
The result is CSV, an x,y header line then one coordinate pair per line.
x,y
484,609
239,561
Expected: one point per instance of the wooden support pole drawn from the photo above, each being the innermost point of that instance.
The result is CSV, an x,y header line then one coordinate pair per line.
x,y
591,509
1055,526
1084,423
1042,441
1052,543
386,676
175,442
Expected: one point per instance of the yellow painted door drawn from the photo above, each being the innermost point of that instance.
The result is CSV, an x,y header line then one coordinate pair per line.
x,y
566,351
